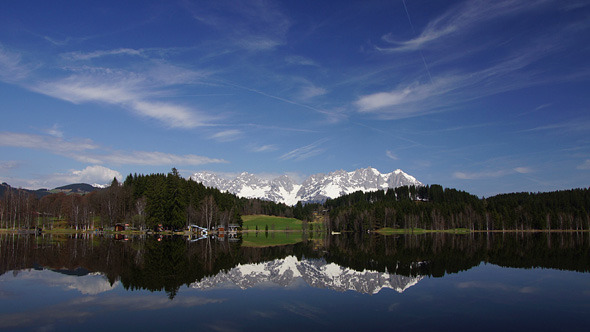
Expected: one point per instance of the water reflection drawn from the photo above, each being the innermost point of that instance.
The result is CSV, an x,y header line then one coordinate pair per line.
x,y
358,262
344,282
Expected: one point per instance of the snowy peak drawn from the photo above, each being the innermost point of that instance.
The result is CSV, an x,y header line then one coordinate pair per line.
x,y
209,179
314,272
398,178
367,178
316,188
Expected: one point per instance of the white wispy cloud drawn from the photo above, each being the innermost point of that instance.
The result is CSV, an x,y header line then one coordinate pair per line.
x,y
540,107
12,67
523,170
300,61
515,65
154,158
460,19
55,131
127,90
391,155
227,135
8,165
249,25
480,175
57,42
412,99
264,148
491,173
585,165
176,116
574,125
305,152
86,151
309,92
510,73
100,53
138,91
56,145
258,43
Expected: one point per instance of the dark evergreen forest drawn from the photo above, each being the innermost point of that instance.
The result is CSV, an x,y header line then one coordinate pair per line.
x,y
435,208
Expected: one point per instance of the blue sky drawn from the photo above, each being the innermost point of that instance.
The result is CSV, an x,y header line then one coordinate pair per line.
x,y
484,96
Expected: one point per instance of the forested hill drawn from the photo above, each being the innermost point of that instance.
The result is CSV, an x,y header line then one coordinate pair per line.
x,y
434,207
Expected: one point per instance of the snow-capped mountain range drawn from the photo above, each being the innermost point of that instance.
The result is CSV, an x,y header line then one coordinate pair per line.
x,y
314,272
316,188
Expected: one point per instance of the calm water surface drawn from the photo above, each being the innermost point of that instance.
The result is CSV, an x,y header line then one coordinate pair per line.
x,y
441,282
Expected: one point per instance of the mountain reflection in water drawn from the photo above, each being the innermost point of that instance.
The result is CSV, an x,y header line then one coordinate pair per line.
x,y
318,273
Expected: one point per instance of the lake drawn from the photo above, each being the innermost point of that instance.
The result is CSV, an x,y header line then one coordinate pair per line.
x,y
346,282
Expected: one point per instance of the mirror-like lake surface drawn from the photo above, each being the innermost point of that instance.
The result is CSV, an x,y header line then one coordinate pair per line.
x,y
350,282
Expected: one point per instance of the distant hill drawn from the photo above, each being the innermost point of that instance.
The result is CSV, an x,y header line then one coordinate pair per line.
x,y
76,188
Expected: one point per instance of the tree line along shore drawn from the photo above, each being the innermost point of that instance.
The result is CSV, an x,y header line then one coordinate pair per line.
x,y
168,202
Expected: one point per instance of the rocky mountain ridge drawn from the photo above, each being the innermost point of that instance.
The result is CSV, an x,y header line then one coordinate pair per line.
x,y
316,188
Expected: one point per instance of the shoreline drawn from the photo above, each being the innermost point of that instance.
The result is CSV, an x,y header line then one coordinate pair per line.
x,y
378,231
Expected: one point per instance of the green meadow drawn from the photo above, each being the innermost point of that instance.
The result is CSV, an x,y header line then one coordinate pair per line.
x,y
271,223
